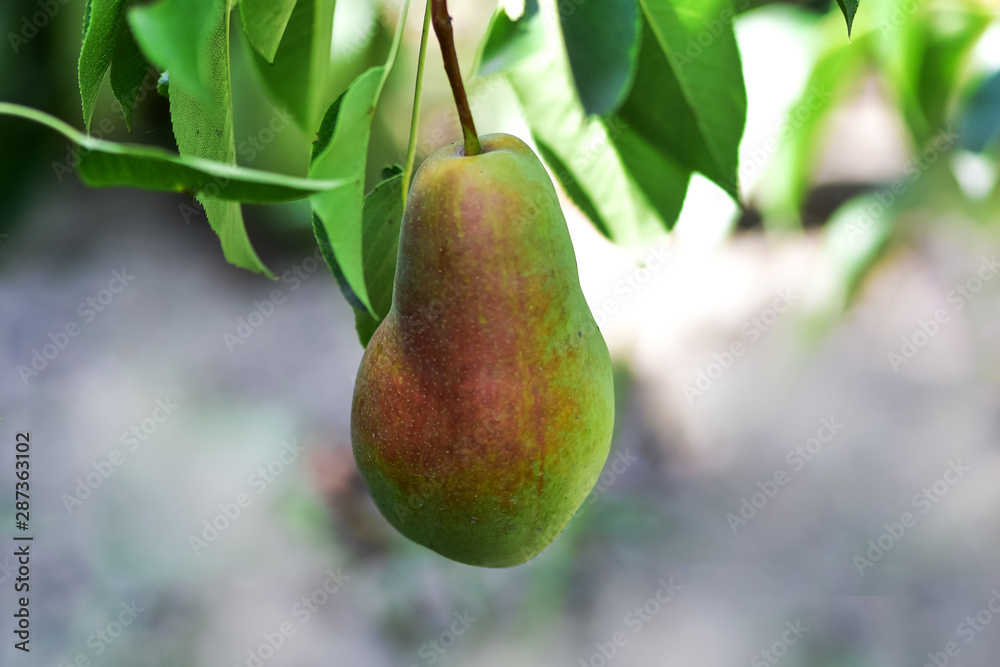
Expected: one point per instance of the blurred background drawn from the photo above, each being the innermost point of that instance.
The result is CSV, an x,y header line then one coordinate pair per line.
x,y
807,446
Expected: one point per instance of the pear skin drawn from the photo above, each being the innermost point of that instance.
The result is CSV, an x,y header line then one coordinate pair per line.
x,y
484,405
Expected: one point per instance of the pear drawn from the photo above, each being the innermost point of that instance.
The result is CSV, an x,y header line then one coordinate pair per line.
x,y
484,405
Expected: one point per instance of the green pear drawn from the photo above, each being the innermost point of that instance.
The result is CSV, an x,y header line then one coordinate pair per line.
x,y
484,405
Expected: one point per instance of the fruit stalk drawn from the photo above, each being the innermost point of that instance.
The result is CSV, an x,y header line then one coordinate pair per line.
x,y
442,28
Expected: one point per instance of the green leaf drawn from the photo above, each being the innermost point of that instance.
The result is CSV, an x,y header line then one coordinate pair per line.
x,y
508,42
688,100
323,241
582,149
924,60
383,211
129,70
850,8
177,36
660,178
980,123
783,187
341,153
297,80
264,23
576,192
602,40
100,17
107,43
204,127
109,164
944,62
190,38
584,145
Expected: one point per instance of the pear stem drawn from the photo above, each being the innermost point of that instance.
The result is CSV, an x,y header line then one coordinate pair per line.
x,y
411,151
442,28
